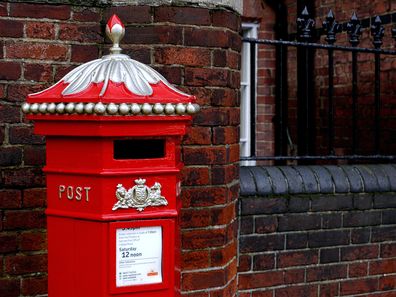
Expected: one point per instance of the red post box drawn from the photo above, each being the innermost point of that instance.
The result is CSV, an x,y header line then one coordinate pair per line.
x,y
113,128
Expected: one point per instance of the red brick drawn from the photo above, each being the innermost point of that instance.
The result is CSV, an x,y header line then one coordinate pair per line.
x,y
260,294
203,94
84,53
34,197
198,135
2,134
40,30
8,243
10,199
24,135
183,56
306,291
153,35
225,135
265,224
143,55
358,269
294,276
223,215
206,37
130,13
18,93
204,155
206,77
3,9
58,12
388,250
11,156
86,14
61,71
382,266
233,60
172,73
224,174
195,259
11,28
298,258
10,70
219,58
195,176
34,286
233,153
221,256
38,72
198,239
327,272
2,89
225,97
192,218
235,80
38,51
359,252
213,117
34,155
263,262
358,286
21,264
387,282
260,280
33,241
182,15
245,263
10,113
9,287
198,294
203,280
222,18
22,219
23,177
229,290
80,33
329,290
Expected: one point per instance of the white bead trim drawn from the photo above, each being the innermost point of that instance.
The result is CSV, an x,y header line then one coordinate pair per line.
x,y
111,109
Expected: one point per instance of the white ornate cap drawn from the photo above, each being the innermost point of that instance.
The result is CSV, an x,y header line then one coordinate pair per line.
x,y
113,81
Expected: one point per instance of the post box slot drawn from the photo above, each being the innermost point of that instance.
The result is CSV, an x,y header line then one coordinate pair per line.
x,y
125,149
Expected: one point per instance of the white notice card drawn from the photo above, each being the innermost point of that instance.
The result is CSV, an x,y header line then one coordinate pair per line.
x,y
138,256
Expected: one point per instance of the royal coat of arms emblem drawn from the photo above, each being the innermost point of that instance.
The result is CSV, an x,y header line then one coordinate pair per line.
x,y
139,196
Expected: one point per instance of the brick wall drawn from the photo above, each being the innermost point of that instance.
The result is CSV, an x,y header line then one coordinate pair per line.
x,y
317,231
38,45
195,48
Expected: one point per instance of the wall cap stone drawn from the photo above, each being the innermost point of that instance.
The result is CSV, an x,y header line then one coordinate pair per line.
x,y
327,179
236,5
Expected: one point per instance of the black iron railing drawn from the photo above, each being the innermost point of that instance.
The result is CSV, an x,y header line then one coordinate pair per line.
x,y
306,122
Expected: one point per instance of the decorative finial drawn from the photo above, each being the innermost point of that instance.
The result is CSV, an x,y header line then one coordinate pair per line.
x,y
115,30
354,30
331,27
377,31
305,25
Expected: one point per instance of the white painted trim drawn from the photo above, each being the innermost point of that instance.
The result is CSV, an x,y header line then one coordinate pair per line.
x,y
250,30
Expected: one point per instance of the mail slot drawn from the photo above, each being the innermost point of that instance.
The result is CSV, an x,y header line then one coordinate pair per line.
x,y
113,130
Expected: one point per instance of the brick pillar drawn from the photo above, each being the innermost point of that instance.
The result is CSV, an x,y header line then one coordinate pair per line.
x,y
198,49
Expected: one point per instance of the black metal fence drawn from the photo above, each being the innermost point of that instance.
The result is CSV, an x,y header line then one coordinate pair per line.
x,y
306,125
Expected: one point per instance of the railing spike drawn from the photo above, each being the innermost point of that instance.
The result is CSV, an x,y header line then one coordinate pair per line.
x,y
305,11
331,27
377,31
354,30
305,25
